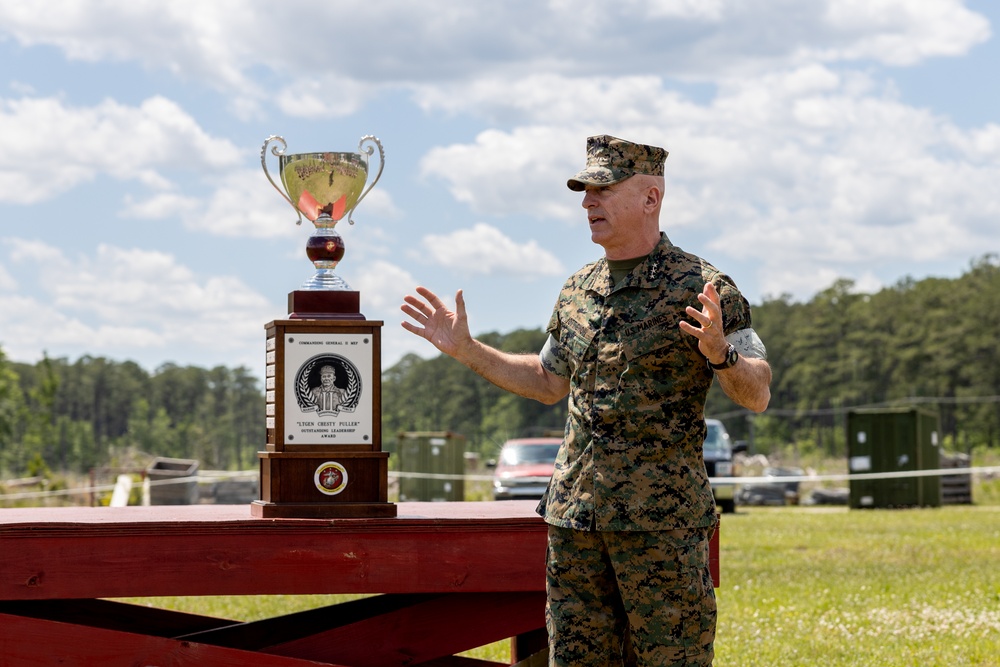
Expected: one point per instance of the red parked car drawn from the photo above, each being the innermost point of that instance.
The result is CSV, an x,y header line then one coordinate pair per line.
x,y
524,468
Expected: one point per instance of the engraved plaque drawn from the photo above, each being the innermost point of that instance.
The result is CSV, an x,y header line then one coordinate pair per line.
x,y
328,388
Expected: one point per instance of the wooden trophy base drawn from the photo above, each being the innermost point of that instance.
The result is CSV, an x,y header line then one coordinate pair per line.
x,y
323,485
324,305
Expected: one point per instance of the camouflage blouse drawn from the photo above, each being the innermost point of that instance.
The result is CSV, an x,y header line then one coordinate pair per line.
x,y
631,458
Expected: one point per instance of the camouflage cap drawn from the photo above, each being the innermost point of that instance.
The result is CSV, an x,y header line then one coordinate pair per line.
x,y
610,160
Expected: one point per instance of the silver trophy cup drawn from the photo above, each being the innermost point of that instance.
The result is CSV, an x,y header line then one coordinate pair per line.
x,y
324,187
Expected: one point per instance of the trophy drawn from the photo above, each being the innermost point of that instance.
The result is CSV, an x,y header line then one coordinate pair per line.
x,y
323,454
324,187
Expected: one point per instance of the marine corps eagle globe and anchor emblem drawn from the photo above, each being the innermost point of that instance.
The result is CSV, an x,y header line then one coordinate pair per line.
x,y
330,478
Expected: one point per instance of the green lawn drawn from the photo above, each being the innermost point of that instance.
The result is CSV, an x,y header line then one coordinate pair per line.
x,y
830,587
812,586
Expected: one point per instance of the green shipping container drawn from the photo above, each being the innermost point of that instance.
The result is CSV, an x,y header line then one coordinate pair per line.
x,y
436,453
893,441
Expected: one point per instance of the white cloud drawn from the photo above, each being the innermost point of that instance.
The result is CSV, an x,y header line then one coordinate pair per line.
x,y
783,153
378,203
122,284
508,172
51,147
902,32
814,165
485,249
7,281
506,99
125,302
382,285
243,204
160,206
327,58
323,97
187,38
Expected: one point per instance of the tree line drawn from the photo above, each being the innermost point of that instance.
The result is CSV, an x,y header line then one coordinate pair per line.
x,y
94,412
930,343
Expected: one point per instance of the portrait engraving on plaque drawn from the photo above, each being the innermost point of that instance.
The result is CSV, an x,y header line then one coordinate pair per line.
x,y
328,384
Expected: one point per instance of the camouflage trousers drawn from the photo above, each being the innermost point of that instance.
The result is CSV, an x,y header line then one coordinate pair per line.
x,y
629,598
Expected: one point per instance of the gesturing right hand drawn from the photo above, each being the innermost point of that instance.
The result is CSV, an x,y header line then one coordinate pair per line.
x,y
446,330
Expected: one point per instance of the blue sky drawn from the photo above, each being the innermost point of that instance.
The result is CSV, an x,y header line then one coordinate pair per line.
x,y
809,141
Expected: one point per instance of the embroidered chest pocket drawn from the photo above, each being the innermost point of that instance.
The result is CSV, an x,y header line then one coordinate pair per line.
x,y
579,343
659,348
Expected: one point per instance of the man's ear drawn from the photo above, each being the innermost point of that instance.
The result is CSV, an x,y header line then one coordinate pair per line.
x,y
653,196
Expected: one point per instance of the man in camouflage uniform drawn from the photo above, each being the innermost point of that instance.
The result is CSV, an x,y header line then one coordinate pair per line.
x,y
636,340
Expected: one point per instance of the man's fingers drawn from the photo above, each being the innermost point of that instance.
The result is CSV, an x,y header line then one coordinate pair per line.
x,y
431,297
709,300
413,312
700,316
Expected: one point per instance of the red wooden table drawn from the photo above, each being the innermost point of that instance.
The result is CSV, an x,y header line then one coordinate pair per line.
x,y
452,576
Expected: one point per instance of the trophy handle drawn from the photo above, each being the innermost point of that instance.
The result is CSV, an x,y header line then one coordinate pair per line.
x,y
278,152
368,151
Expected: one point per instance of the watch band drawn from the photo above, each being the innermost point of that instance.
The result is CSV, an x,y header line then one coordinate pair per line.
x,y
732,356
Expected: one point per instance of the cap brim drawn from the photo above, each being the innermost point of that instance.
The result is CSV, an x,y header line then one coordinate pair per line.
x,y
595,176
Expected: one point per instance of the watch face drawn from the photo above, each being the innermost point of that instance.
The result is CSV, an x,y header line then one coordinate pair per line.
x,y
732,356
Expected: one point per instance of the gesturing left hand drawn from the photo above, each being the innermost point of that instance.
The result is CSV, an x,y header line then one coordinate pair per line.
x,y
711,334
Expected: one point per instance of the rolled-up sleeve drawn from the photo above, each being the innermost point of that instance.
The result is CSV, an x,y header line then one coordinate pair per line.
x,y
554,358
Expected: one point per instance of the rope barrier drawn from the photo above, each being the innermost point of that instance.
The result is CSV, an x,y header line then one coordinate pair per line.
x,y
206,478
940,472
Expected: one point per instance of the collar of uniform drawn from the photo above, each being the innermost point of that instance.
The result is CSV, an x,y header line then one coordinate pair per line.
x,y
650,273
599,278
647,275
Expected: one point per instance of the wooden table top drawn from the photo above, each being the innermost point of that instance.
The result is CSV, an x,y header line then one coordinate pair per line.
x,y
49,553
512,513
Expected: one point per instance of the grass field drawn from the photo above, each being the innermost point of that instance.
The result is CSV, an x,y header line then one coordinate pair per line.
x,y
817,586
892,588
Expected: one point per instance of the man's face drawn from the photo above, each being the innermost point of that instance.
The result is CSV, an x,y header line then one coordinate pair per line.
x,y
615,213
327,378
